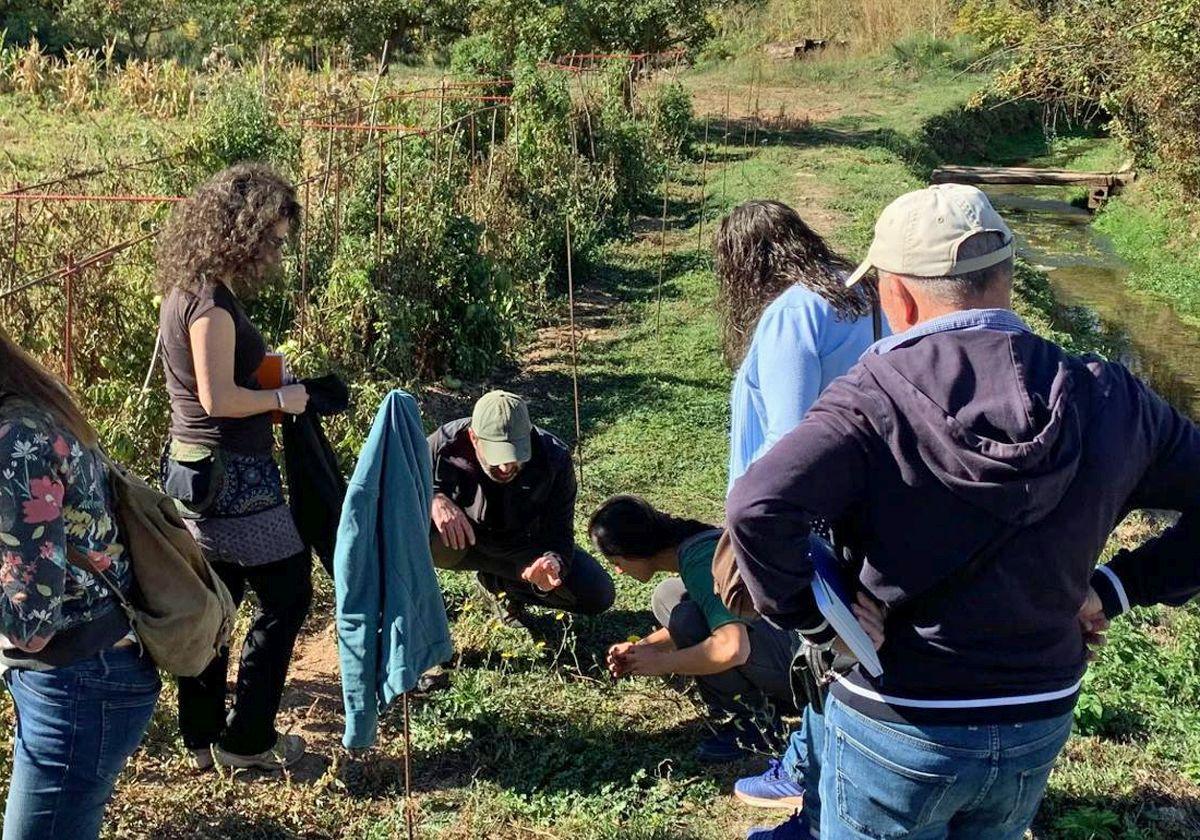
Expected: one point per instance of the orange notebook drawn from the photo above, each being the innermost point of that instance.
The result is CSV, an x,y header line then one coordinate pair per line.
x,y
270,377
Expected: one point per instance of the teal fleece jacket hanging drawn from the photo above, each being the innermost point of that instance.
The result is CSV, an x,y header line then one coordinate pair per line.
x,y
391,620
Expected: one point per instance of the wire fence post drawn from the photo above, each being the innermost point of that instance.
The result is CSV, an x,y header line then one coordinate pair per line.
x,y
574,352
328,162
749,107
437,137
703,188
305,239
408,803
379,207
16,237
757,94
491,154
337,205
662,260
16,244
69,325
400,182
725,150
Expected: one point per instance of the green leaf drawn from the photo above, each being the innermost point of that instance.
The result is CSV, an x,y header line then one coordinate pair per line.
x,y
9,539
45,590
37,533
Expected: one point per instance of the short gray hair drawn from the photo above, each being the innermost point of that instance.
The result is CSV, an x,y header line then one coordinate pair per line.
x,y
964,288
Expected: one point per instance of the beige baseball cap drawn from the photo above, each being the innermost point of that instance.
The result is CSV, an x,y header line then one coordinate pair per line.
x,y
501,425
919,233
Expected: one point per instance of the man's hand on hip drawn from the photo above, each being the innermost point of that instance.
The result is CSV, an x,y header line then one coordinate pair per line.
x,y
452,524
545,572
1092,624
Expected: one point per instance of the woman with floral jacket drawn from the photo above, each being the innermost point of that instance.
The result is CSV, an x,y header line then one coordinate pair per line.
x,y
83,687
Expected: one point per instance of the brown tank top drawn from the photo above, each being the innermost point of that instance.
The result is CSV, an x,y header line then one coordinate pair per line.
x,y
190,423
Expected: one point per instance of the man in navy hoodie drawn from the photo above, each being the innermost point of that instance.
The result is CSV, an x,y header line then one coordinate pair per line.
x,y
975,472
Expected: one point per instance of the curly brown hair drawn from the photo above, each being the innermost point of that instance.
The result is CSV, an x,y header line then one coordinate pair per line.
x,y
223,231
764,247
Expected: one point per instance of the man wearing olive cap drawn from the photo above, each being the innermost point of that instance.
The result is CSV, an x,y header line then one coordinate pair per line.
x,y
973,472
504,507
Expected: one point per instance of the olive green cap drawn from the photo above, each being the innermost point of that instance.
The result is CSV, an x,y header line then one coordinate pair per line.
x,y
919,233
501,425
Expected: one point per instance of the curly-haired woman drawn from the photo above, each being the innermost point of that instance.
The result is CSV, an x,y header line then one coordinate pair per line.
x,y
83,687
789,324
224,241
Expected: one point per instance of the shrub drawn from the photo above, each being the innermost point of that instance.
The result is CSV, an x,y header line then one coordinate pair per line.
x,y
671,119
479,56
238,125
1135,64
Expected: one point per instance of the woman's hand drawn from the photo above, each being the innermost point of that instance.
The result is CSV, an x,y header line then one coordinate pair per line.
x,y
617,665
295,398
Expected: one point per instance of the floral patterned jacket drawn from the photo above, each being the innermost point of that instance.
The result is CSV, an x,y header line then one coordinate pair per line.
x,y
54,494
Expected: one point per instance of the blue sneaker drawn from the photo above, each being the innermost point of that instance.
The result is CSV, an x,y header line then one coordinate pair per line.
x,y
773,789
796,828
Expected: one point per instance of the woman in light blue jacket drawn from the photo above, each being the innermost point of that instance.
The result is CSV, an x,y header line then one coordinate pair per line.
x,y
790,327
789,324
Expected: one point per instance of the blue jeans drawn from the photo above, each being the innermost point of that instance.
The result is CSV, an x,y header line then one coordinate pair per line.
x,y
802,763
76,727
885,780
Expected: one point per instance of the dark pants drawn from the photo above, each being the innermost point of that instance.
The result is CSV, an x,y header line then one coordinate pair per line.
x,y
284,591
76,727
757,689
588,588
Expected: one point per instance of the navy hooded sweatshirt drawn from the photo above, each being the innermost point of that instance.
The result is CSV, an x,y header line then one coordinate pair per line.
x,y
976,470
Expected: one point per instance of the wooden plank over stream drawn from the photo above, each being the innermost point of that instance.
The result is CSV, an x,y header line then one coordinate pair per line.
x,y
1028,175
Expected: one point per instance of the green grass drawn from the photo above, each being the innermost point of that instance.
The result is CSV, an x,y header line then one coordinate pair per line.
x,y
36,139
1158,231
531,739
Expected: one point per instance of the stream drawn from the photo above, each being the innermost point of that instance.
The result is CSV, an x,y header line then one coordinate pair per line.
x,y
1084,271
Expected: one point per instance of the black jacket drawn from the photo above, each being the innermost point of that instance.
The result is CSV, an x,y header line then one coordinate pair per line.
x,y
536,509
316,487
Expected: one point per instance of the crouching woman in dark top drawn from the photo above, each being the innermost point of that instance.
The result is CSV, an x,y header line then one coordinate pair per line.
x,y
741,667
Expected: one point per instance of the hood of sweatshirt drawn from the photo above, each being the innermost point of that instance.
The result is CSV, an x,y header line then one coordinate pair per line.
x,y
992,414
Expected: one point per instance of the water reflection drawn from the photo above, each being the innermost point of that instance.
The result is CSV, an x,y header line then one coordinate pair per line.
x,y
1084,271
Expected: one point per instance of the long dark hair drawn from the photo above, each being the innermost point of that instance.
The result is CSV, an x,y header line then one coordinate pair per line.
x,y
764,247
25,377
222,231
629,526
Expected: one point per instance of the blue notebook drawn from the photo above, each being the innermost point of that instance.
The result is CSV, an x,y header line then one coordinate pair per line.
x,y
834,599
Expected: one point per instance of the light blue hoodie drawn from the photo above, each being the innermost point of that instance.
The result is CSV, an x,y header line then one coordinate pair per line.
x,y
391,620
800,345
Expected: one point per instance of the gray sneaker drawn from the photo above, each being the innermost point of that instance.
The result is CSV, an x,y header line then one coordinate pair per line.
x,y
287,751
